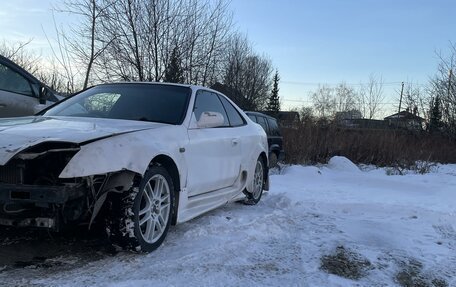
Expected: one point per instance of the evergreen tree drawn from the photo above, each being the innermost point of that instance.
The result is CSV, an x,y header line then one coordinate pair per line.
x,y
174,72
435,121
274,100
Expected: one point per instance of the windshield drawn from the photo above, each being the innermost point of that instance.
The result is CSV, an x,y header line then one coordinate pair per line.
x,y
140,102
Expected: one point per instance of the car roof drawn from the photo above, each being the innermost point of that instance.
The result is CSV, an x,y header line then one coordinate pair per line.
x,y
143,82
18,68
259,114
193,87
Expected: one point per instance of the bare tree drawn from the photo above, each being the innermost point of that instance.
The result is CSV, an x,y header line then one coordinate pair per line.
x,y
370,97
206,32
306,114
142,35
345,98
134,40
63,62
416,100
18,53
248,74
324,102
83,41
257,80
218,26
443,86
46,71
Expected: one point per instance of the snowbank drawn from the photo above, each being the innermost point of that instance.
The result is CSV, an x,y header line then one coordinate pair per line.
x,y
400,225
340,163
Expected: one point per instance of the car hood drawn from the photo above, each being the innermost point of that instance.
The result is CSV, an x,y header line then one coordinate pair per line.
x,y
17,134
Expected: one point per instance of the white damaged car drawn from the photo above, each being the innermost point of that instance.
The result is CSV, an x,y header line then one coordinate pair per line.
x,y
138,157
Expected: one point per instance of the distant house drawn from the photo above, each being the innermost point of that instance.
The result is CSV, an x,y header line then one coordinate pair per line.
x,y
405,120
365,124
347,118
402,120
348,115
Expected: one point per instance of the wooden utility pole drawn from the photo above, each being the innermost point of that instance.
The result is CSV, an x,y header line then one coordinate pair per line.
x,y
400,101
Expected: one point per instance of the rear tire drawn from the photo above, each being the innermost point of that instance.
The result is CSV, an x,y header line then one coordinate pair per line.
x,y
258,183
273,160
140,218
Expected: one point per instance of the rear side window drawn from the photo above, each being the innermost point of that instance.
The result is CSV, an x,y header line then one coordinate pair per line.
x,y
209,102
273,127
262,122
252,117
235,119
13,82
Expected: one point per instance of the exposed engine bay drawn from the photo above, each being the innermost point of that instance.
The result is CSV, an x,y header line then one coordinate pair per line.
x,y
33,195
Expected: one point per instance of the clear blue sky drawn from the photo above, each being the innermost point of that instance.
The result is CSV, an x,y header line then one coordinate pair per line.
x,y
309,41
330,41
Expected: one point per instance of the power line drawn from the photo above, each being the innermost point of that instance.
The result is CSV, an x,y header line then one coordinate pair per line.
x,y
348,84
310,102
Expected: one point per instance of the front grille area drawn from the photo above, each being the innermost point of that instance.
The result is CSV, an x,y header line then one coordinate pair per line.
x,y
10,174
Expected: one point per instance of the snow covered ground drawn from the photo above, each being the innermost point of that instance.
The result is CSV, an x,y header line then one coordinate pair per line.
x,y
404,226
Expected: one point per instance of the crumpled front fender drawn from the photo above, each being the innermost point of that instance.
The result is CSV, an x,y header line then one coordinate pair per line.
x,y
124,152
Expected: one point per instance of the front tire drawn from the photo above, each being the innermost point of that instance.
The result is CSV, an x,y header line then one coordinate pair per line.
x,y
254,196
144,214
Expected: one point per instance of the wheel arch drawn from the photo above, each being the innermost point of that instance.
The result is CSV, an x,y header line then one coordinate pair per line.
x,y
275,148
171,167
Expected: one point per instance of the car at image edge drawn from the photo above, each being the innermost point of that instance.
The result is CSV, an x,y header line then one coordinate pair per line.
x,y
275,139
21,94
136,156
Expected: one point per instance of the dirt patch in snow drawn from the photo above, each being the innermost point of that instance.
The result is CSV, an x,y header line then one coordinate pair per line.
x,y
411,275
345,263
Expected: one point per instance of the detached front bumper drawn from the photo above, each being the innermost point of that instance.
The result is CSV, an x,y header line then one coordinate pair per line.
x,y
35,206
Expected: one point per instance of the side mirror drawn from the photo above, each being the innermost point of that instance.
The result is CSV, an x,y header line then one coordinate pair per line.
x,y
211,120
43,96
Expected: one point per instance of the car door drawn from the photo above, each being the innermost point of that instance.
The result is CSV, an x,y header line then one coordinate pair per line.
x,y
17,97
213,154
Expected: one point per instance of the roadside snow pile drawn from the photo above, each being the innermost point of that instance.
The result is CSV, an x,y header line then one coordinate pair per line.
x,y
328,226
341,163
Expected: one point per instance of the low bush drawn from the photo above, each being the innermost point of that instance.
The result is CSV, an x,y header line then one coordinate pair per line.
x,y
314,142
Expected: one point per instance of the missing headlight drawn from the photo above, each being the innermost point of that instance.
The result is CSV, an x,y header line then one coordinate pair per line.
x,y
39,165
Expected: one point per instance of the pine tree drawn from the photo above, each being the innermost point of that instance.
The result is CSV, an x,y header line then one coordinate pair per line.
x,y
174,72
274,100
435,121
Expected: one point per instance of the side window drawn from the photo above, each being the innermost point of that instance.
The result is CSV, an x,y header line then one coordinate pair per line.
x,y
209,102
273,127
262,122
233,115
253,118
13,82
